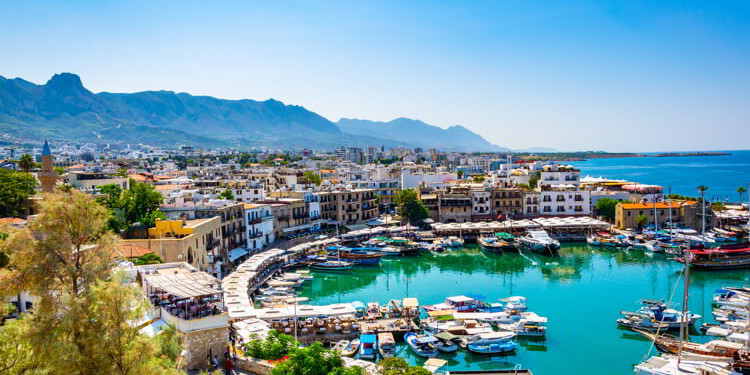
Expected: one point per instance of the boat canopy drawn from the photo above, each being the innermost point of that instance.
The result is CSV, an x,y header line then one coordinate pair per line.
x,y
425,340
367,339
436,313
505,235
459,299
447,336
411,302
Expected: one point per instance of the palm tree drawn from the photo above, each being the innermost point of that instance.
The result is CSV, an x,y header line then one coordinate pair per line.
x,y
26,162
702,189
641,220
741,190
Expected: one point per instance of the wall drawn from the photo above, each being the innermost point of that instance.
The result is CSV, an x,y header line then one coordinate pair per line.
x,y
200,343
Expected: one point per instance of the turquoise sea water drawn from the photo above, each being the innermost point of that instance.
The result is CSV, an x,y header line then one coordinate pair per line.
x,y
581,291
722,174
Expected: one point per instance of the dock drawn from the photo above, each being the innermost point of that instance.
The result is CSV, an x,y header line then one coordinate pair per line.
x,y
398,327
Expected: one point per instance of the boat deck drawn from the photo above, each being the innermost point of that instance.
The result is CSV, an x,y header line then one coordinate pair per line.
x,y
396,326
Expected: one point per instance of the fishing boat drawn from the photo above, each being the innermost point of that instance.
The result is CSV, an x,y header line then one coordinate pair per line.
x,y
538,240
658,311
490,338
636,321
458,303
359,255
453,241
532,327
368,346
340,346
492,244
423,346
350,349
332,265
386,344
721,258
712,350
373,310
493,348
446,342
517,303
593,240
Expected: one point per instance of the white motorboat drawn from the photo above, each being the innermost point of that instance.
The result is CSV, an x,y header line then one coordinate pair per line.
x,y
539,240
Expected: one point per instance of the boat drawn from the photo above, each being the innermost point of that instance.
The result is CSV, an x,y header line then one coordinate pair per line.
x,y
453,241
423,346
373,310
332,265
658,311
593,240
386,344
340,346
712,350
446,342
493,348
458,303
538,240
497,244
490,338
669,365
733,256
368,346
350,349
359,255
636,321
532,327
516,303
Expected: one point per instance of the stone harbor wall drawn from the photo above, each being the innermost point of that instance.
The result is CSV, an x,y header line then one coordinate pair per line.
x,y
201,343
253,366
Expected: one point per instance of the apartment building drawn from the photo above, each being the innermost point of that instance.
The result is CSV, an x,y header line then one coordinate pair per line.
x,y
455,204
91,181
531,200
507,202
348,207
385,189
561,193
291,216
259,229
481,204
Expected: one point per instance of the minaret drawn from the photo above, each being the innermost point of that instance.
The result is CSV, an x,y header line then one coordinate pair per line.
x,y
47,176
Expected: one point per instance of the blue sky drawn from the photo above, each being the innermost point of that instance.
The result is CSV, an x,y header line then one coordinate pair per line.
x,y
572,75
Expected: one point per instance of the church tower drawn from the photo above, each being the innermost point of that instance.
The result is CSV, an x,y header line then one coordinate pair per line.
x,y
47,176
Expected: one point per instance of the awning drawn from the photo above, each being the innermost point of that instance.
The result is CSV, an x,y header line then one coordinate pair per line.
x,y
411,302
236,254
356,227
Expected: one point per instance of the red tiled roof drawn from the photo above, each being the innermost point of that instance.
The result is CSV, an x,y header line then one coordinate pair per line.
x,y
131,251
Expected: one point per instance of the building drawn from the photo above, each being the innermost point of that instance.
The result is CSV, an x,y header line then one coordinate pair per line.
x,y
411,179
196,242
91,181
454,205
259,229
481,204
47,176
507,202
560,192
626,214
531,203
348,207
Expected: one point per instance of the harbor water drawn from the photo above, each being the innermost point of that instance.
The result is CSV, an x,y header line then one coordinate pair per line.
x,y
581,291
722,174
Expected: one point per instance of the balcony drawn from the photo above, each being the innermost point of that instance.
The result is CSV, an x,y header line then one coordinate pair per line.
x,y
212,244
282,218
579,198
301,215
560,199
255,235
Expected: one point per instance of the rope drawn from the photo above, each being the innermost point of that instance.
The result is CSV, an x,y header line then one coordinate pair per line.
x,y
653,342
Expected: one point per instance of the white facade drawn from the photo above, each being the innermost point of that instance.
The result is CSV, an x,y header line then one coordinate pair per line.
x,y
560,202
411,180
259,229
249,194
481,202
531,200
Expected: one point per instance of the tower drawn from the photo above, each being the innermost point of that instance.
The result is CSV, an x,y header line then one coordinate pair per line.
x,y
47,176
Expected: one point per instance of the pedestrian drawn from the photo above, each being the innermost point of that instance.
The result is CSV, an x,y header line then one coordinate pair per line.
x,y
226,353
228,366
214,364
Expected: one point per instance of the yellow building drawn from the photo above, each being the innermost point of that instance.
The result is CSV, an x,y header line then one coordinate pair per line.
x,y
626,214
195,242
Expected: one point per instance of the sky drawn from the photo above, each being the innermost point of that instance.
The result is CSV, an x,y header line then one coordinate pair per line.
x,y
571,75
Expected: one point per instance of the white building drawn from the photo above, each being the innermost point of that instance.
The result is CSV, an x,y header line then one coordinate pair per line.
x,y
560,192
481,202
411,179
251,193
259,228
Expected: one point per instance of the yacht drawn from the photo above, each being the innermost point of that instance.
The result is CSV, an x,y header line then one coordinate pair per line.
x,y
539,240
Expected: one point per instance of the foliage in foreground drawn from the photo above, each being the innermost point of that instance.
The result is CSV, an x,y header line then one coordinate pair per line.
x,y
411,207
83,313
314,360
273,347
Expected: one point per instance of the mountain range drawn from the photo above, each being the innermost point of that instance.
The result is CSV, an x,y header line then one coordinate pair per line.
x,y
64,109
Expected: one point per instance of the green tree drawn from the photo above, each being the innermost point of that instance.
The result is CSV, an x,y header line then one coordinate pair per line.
x,y
606,207
150,258
460,174
313,360
139,202
312,177
226,194
149,219
534,179
112,199
82,321
59,170
718,206
15,188
702,189
641,220
398,366
479,179
741,191
274,346
122,172
26,162
410,206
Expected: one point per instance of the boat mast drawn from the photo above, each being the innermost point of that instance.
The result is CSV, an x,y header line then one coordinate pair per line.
x,y
669,208
685,296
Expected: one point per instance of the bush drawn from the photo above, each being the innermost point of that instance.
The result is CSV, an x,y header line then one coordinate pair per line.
x,y
275,346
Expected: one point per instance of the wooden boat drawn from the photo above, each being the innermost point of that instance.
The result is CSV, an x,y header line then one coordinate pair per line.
x,y
350,349
386,344
421,345
368,347
712,350
373,310
340,346
363,256
722,258
332,265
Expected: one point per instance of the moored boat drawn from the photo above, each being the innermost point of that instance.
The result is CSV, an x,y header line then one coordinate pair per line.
x,y
386,344
493,348
421,345
368,346
332,265
721,258
538,240
446,342
350,349
340,346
